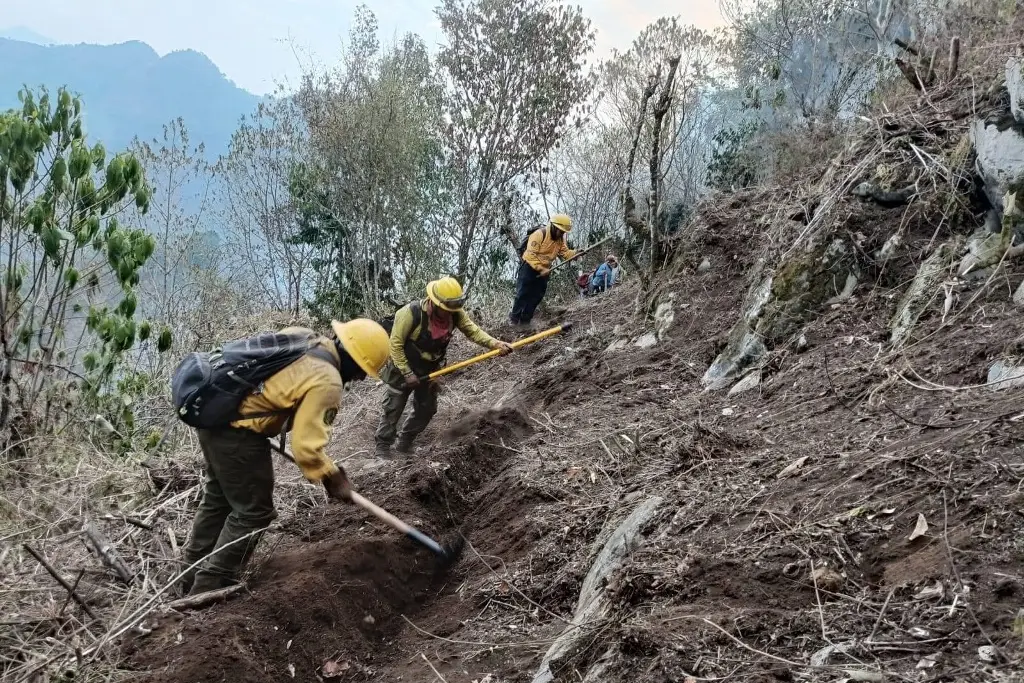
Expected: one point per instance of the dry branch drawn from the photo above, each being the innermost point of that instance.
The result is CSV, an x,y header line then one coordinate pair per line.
x,y
954,58
204,599
60,579
99,545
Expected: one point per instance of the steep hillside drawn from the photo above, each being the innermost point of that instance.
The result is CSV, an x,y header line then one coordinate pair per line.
x,y
129,90
804,465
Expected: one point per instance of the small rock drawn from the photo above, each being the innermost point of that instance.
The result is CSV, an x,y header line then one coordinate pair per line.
x,y
791,570
368,619
617,345
928,661
792,467
646,341
988,654
930,592
827,579
1018,296
920,633
728,411
751,381
704,266
1004,375
801,343
861,675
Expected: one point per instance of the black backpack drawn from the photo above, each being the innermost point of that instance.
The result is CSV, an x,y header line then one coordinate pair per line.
x,y
207,388
526,240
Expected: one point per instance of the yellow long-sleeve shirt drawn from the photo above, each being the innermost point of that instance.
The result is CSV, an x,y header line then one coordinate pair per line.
x,y
541,250
312,388
405,330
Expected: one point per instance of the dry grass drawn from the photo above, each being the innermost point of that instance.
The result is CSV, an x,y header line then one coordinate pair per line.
x,y
143,504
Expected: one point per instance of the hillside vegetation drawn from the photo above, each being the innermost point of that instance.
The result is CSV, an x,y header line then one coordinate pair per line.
x,y
786,448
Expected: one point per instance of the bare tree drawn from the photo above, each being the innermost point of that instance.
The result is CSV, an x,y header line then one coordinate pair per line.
x,y
515,74
256,209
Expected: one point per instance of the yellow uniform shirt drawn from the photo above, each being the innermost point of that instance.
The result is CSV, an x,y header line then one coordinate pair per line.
x,y
541,250
404,330
312,388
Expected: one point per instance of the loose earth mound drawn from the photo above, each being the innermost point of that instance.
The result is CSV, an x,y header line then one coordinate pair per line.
x,y
331,598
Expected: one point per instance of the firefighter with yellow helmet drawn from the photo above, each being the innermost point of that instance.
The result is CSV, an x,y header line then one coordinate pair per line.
x,y
305,396
542,248
420,335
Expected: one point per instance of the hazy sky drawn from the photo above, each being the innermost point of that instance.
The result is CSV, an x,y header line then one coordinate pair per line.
x,y
249,39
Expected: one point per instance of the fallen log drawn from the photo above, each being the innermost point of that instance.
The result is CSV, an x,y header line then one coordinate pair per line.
x,y
204,599
592,605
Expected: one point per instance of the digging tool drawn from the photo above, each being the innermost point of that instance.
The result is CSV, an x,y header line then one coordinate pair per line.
x,y
448,553
564,327
581,253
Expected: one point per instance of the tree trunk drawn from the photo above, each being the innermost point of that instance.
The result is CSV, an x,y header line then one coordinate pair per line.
x,y
660,111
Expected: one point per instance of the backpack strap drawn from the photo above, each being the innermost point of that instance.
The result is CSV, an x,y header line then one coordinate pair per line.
x,y
417,318
314,350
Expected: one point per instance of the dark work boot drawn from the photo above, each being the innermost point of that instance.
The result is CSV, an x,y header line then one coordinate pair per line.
x,y
404,446
383,451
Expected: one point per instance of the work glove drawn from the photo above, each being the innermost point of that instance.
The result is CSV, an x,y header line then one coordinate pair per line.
x,y
504,348
544,272
411,381
338,487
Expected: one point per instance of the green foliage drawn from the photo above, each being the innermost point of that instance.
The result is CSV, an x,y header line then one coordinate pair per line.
x,y
733,164
164,340
61,199
373,179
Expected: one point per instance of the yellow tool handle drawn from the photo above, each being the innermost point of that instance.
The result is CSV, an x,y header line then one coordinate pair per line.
x,y
564,327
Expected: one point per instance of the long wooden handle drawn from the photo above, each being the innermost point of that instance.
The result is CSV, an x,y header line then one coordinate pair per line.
x,y
595,245
564,327
397,524
383,515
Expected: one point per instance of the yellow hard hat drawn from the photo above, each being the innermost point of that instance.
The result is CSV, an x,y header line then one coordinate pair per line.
x,y
366,341
562,222
446,293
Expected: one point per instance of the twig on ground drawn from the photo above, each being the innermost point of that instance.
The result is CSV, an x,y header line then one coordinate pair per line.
x,y
204,599
60,579
821,611
71,593
436,672
102,547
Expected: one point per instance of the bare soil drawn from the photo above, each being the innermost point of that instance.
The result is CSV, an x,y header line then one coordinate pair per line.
x,y
532,455
786,528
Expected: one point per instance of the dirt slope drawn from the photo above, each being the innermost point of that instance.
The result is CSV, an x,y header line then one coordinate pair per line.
x,y
531,456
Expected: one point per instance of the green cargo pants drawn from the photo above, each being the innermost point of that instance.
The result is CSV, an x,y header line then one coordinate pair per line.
x,y
396,397
238,499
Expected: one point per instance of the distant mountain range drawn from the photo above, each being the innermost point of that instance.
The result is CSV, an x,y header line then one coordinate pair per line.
x,y
127,90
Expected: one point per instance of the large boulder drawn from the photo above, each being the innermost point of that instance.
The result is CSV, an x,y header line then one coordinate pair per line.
x,y
780,302
999,144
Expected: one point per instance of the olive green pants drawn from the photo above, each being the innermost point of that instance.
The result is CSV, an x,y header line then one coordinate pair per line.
x,y
396,397
238,499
